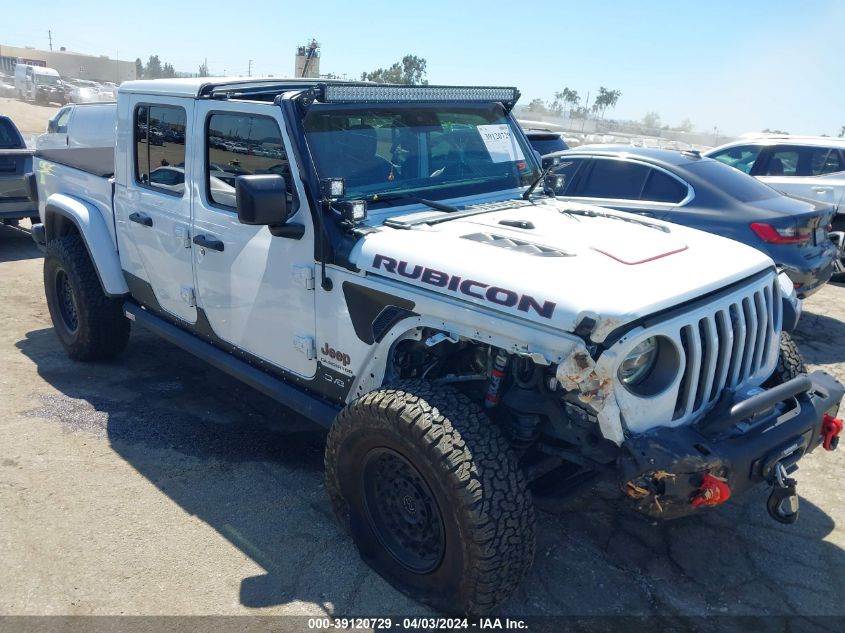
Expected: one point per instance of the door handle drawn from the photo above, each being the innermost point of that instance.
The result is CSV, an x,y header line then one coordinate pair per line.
x,y
208,241
140,218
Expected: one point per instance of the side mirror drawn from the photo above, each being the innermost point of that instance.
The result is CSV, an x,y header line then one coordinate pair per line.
x,y
555,184
261,199
52,128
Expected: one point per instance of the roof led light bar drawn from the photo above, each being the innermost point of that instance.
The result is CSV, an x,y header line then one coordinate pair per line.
x,y
352,93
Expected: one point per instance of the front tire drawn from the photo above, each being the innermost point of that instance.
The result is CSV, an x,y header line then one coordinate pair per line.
x,y
432,495
90,325
790,362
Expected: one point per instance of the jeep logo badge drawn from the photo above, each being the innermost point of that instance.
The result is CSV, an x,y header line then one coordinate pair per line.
x,y
332,353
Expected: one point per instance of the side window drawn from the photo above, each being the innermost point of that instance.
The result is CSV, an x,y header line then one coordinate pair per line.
x,y
239,145
782,162
61,121
741,158
160,147
619,179
825,160
567,169
661,187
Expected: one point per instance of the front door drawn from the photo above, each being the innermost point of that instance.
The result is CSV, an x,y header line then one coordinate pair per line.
x,y
255,290
154,207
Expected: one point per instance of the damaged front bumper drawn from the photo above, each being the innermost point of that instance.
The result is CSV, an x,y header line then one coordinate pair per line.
x,y
672,472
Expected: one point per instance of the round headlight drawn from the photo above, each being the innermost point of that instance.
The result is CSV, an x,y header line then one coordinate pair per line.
x,y
639,362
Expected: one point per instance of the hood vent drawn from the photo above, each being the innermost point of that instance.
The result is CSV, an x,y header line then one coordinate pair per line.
x,y
519,246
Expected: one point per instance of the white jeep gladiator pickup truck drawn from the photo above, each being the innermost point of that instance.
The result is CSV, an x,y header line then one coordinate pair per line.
x,y
387,261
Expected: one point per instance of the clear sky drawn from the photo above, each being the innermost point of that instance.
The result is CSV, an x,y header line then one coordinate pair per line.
x,y
740,65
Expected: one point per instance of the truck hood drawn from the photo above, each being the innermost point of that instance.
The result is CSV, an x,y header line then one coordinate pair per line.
x,y
536,261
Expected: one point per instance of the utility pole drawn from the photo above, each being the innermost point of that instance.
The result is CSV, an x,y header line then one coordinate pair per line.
x,y
50,37
249,72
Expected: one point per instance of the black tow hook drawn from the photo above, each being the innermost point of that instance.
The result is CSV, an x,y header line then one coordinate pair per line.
x,y
783,501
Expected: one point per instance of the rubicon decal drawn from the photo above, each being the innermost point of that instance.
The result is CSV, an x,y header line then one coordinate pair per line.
x,y
469,287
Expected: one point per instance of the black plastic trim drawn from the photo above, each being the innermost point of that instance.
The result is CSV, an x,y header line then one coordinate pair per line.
x,y
291,231
315,409
367,305
326,384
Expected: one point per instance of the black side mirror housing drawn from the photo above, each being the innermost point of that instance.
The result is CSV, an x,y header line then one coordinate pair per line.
x,y
261,199
51,126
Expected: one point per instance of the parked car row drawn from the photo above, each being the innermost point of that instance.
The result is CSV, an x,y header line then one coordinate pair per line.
x,y
40,84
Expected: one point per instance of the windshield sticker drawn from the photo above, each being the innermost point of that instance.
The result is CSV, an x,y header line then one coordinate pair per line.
x,y
500,143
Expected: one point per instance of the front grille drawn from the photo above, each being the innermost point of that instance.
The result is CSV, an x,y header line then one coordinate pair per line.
x,y
728,346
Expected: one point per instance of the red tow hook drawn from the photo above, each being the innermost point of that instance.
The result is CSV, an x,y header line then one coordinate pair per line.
x,y
831,428
712,492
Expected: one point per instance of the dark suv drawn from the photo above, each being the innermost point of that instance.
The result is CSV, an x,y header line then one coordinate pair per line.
x,y
545,141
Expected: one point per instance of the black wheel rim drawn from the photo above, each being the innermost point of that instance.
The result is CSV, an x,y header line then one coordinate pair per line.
x,y
66,300
402,510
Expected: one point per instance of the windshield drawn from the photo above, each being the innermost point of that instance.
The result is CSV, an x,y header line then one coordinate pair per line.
x,y
49,80
433,151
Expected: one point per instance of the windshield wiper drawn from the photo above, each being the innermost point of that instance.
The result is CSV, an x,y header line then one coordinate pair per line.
x,y
539,179
389,197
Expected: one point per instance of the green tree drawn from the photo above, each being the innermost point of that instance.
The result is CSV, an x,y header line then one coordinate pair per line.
x,y
203,70
153,68
411,70
651,119
563,99
139,68
537,106
606,99
168,71
842,132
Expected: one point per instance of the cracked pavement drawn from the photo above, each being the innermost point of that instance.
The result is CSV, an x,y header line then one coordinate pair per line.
x,y
158,485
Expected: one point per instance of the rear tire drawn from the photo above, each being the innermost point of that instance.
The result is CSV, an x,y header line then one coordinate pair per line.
x,y
432,495
90,325
790,362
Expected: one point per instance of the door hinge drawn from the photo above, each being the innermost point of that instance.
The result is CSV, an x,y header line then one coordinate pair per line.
x,y
305,345
188,296
182,233
304,276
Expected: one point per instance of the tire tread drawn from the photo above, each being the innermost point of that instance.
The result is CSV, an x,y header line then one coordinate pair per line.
x,y
496,511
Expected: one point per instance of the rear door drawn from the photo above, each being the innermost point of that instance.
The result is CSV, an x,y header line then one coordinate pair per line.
x,y
805,171
256,290
154,208
629,185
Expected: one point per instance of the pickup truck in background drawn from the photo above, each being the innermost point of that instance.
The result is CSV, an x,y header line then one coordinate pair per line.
x,y
388,261
16,193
